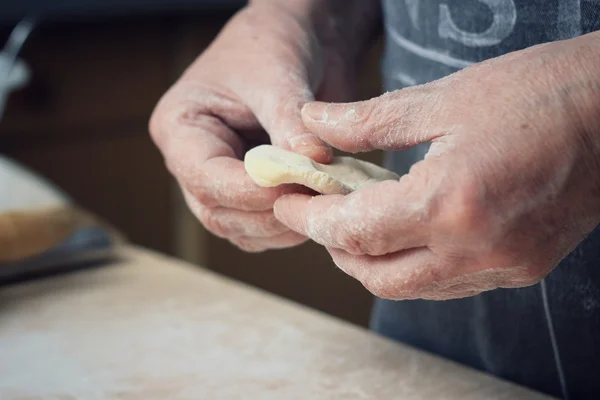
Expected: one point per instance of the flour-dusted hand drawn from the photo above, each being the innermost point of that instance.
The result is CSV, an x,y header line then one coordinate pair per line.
x,y
248,88
510,185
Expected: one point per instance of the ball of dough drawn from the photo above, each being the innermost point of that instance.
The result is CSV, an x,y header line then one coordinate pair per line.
x,y
271,166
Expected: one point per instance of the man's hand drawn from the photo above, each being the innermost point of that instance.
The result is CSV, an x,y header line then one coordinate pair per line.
x,y
247,89
509,187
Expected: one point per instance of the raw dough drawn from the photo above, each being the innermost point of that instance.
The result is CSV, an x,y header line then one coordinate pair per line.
x,y
272,166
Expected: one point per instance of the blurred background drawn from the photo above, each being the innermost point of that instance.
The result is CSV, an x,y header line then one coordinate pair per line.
x,y
96,69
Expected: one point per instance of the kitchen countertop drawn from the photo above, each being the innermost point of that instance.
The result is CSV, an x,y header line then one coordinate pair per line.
x,y
150,327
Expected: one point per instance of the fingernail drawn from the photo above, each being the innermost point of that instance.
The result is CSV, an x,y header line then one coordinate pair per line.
x,y
312,147
316,112
328,113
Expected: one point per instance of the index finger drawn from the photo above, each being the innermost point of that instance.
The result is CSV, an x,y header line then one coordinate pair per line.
x,y
203,153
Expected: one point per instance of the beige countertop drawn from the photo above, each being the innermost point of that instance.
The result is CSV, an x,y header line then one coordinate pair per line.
x,y
150,327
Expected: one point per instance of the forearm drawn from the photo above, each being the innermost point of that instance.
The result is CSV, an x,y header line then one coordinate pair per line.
x,y
591,110
584,88
571,71
349,26
577,79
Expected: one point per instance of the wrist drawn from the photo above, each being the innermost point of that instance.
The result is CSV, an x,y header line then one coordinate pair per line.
x,y
586,91
347,27
583,93
578,74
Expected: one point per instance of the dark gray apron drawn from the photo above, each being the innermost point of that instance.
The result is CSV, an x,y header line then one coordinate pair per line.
x,y
547,336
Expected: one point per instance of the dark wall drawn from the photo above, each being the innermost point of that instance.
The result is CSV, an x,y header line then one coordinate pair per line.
x,y
11,11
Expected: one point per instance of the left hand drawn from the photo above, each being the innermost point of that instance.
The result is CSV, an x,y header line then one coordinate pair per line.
x,y
509,187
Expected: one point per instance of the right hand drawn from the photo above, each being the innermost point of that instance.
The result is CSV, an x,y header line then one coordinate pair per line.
x,y
246,89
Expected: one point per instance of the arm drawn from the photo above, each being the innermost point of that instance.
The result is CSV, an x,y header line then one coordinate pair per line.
x,y
344,31
347,25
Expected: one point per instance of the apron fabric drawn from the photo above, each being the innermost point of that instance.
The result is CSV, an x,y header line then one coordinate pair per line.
x,y
547,336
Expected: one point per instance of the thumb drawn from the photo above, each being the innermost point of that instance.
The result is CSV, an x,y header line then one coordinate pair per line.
x,y
279,112
393,121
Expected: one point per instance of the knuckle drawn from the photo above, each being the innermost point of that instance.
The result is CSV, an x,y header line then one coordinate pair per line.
x,y
376,241
214,224
380,289
361,120
383,285
161,116
197,189
204,196
270,226
362,114
194,115
352,241
248,246
197,183
392,119
174,109
463,211
359,237
289,106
